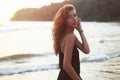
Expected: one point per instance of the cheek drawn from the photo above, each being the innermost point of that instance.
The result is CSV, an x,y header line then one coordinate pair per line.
x,y
68,22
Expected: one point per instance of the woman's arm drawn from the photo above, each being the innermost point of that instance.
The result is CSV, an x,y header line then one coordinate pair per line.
x,y
68,50
84,47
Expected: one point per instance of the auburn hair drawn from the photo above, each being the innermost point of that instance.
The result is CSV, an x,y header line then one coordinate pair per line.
x,y
59,26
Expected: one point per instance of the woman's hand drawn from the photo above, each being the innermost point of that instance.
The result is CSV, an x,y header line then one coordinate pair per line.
x,y
79,27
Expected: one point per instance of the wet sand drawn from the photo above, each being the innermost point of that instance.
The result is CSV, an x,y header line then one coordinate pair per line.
x,y
108,70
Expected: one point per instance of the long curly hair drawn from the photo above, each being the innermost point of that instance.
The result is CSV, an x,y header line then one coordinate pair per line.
x,y
59,26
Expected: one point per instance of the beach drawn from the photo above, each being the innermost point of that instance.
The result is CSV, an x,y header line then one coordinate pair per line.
x,y
25,54
108,70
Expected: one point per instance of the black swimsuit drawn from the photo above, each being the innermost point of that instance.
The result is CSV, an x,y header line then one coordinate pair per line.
x,y
75,63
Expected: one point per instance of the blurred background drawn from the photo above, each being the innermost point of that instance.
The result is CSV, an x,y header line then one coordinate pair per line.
x,y
26,46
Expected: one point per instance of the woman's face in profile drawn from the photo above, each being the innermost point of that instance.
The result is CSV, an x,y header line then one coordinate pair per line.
x,y
72,19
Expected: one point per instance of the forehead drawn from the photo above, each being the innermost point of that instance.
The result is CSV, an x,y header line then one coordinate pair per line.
x,y
72,12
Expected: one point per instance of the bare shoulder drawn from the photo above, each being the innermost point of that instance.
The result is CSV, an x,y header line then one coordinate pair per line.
x,y
70,37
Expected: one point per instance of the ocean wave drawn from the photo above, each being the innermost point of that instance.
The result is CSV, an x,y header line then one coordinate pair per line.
x,y
19,56
23,69
32,67
100,58
22,63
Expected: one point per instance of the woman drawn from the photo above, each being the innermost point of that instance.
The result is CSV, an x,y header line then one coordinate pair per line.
x,y
66,44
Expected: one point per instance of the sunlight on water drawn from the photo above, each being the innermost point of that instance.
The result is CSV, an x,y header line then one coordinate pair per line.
x,y
35,37
25,37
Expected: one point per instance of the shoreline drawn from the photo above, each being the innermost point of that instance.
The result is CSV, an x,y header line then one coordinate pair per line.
x,y
89,71
33,63
27,38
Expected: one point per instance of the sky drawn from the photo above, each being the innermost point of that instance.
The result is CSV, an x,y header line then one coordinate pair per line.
x,y
9,7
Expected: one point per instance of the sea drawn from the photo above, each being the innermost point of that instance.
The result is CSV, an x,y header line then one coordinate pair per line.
x,y
27,46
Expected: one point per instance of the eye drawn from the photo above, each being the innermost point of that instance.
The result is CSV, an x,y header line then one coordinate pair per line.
x,y
71,16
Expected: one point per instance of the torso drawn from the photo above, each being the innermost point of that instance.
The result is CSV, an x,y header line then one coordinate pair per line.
x,y
75,63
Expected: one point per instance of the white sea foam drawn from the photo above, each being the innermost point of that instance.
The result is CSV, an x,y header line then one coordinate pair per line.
x,y
100,58
23,69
